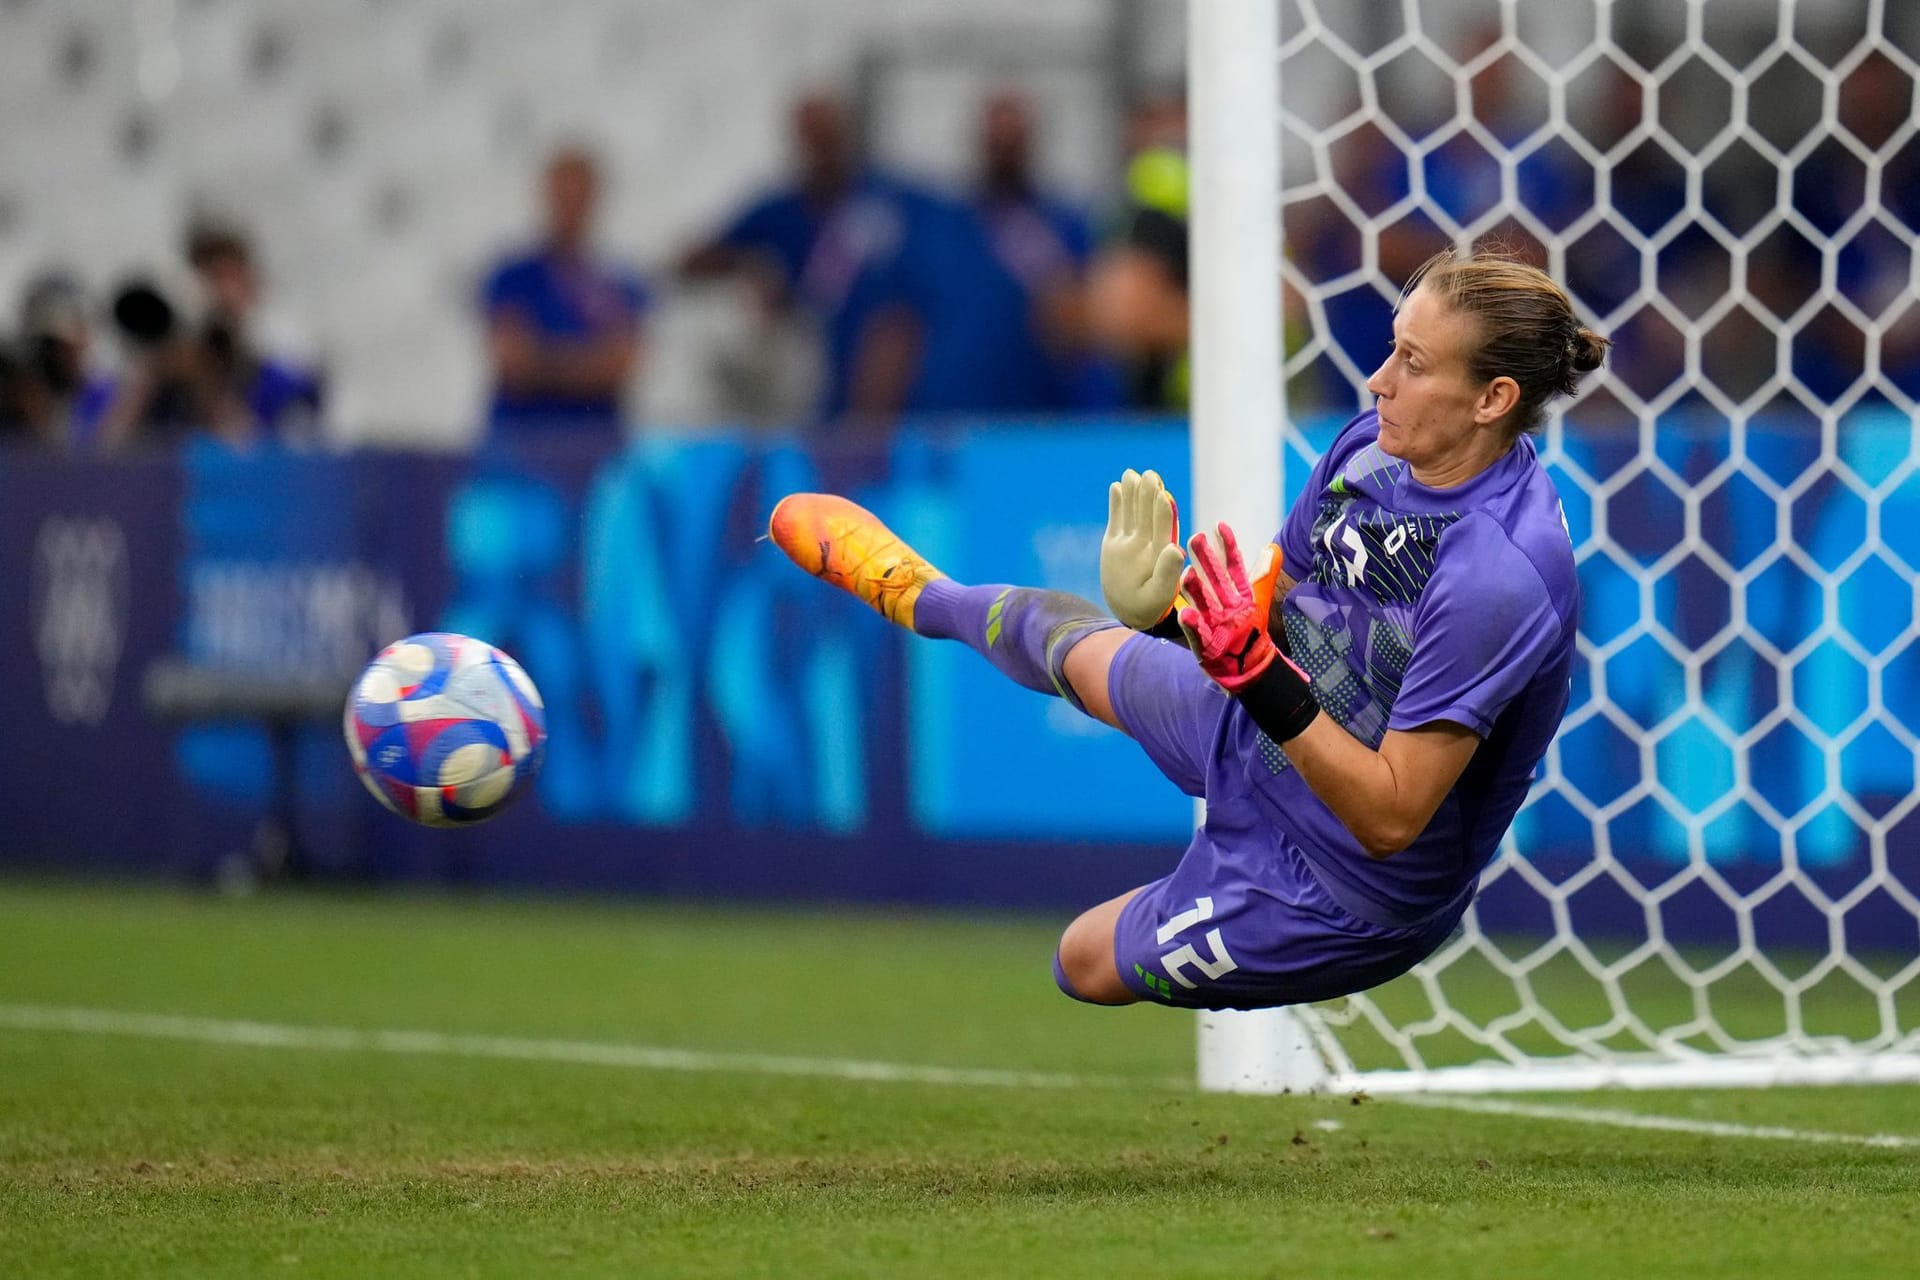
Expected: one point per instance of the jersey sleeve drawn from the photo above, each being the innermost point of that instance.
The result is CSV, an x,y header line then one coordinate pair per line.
x,y
1484,627
754,227
1076,233
503,288
634,295
936,246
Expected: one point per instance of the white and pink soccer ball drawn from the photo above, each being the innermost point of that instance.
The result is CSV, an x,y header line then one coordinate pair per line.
x,y
445,729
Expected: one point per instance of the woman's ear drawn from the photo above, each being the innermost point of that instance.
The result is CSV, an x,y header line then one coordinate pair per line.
x,y
1497,399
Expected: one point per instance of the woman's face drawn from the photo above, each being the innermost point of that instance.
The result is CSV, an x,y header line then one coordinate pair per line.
x,y
1432,411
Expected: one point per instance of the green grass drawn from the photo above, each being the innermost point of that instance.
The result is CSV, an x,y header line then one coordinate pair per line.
x,y
122,1155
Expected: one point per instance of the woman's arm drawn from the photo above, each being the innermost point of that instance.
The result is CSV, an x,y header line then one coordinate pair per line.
x,y
1385,797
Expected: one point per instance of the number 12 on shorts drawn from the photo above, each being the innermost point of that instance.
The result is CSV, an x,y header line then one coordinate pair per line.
x,y
1175,961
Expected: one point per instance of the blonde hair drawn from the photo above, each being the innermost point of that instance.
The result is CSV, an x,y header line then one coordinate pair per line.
x,y
1526,327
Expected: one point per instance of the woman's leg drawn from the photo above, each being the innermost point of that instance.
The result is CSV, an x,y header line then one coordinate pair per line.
x,y
1046,641
1084,965
1038,639
1089,667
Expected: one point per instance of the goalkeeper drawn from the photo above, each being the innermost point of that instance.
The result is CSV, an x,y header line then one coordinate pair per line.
x,y
1363,714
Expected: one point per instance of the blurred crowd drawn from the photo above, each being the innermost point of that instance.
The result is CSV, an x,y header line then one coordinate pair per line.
x,y
193,363
1002,298
1006,298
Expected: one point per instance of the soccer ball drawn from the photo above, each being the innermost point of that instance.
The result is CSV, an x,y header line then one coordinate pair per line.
x,y
445,729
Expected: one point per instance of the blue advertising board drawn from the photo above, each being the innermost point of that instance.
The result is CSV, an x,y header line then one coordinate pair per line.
x,y
723,725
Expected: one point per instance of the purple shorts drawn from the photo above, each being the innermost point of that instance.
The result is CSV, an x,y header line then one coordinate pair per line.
x,y
1242,922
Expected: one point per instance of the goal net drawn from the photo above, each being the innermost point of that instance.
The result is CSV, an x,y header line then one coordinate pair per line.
x,y
1716,878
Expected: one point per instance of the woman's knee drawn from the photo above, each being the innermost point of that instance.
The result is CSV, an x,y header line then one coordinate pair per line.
x,y
1083,964
1086,668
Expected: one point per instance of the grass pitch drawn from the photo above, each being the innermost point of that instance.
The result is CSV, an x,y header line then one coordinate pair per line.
x,y
142,1154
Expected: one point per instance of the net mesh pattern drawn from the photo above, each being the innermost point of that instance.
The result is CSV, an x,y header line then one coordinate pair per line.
x,y
1721,855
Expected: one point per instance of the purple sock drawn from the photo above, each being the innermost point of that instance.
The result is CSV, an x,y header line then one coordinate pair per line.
x,y
1024,632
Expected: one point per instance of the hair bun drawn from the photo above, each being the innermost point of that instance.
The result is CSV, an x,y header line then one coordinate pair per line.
x,y
1587,351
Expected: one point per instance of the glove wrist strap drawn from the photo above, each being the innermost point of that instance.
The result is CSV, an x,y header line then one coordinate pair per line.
x,y
1168,628
1280,700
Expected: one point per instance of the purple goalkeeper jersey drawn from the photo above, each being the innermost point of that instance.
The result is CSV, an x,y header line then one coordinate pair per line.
x,y
1415,605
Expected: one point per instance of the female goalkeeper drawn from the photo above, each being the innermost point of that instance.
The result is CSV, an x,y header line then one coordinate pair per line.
x,y
1362,753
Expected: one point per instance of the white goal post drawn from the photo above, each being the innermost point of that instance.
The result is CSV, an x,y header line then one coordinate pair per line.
x,y
1716,880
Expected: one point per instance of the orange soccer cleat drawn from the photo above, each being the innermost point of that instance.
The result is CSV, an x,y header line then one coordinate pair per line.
x,y
843,543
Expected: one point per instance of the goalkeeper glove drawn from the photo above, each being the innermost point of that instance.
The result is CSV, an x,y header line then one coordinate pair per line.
x,y
1266,577
1140,556
1224,627
1140,561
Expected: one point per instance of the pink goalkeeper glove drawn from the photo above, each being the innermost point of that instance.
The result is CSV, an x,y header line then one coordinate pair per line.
x,y
1223,621
1224,628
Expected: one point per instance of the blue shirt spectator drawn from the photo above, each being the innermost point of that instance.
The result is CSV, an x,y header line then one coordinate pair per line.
x,y
283,396
281,393
563,302
167,395
1043,245
923,304
563,327
824,246
829,254
211,375
972,323
964,320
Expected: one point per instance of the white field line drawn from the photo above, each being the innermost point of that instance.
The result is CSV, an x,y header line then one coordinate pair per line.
x,y
276,1035
1641,1120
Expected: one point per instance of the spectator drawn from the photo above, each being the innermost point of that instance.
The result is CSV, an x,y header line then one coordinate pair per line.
x,y
1042,245
564,328
976,312
282,390
1137,303
820,246
213,375
47,383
